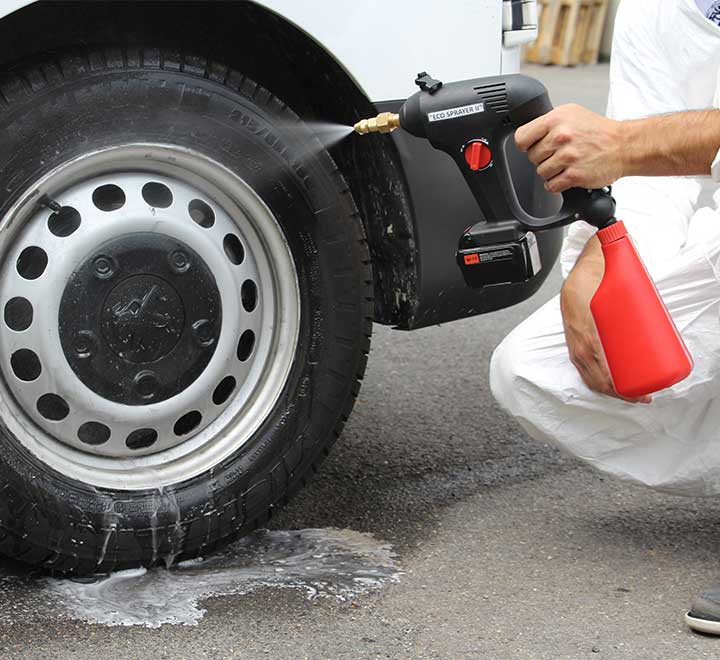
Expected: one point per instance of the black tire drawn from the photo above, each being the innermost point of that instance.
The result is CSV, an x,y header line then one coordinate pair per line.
x,y
70,105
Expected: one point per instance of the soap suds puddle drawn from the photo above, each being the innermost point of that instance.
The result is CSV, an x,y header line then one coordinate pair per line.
x,y
322,563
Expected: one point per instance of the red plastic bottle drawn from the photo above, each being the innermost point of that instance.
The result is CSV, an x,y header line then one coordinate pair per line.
x,y
644,349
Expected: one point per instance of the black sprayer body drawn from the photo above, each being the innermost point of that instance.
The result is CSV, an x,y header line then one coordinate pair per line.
x,y
472,121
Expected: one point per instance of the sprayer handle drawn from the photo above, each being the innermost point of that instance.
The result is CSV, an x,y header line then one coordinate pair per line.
x,y
495,193
596,207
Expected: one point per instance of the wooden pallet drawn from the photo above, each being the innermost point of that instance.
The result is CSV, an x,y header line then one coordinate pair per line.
x,y
570,32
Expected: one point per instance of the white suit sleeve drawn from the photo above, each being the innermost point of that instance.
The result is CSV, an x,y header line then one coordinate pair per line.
x,y
646,78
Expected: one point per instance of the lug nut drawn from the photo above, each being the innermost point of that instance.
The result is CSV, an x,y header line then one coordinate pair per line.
x,y
85,344
146,384
203,332
179,261
104,267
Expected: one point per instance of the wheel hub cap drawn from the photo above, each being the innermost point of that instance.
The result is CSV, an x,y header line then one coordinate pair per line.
x,y
140,319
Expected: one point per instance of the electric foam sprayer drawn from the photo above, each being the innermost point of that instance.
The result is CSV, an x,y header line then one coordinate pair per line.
x,y
472,121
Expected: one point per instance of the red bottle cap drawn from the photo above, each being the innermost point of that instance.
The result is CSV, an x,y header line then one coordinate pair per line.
x,y
612,233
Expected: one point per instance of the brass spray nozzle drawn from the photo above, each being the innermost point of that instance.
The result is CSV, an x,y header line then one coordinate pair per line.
x,y
383,123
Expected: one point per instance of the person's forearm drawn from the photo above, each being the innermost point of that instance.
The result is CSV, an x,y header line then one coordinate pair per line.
x,y
574,147
682,144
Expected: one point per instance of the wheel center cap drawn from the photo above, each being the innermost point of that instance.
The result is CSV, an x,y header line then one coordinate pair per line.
x,y
143,318
140,318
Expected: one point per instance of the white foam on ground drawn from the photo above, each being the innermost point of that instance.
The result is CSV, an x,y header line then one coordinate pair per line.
x,y
323,563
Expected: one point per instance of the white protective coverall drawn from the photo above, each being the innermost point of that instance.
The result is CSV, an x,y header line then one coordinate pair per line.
x,y
666,58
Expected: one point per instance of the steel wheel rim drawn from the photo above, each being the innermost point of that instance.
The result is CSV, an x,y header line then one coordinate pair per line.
x,y
274,318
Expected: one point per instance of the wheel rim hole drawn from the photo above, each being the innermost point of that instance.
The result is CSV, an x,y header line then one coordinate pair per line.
x,y
245,345
64,222
93,433
188,423
141,439
18,314
249,295
157,195
108,197
234,249
53,407
26,365
201,213
32,262
224,390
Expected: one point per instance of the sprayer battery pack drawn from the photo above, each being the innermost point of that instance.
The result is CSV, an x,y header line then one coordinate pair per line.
x,y
498,253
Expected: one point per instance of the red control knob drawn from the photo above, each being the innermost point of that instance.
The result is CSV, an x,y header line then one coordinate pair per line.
x,y
477,155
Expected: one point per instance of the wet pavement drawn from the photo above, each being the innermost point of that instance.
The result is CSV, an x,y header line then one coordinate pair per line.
x,y
468,539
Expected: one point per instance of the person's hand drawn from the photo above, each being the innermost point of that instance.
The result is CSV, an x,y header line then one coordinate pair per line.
x,y
574,148
581,335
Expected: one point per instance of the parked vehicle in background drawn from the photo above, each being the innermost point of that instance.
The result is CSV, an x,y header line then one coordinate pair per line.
x,y
188,279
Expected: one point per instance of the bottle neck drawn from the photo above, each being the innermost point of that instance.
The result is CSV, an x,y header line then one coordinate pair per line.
x,y
612,232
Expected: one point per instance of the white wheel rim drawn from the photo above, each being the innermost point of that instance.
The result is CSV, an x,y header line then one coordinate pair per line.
x,y
274,321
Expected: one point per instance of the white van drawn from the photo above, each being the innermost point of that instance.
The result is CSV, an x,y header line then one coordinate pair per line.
x,y
188,277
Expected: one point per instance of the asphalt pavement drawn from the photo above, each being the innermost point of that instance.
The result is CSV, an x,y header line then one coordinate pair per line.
x,y
509,549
